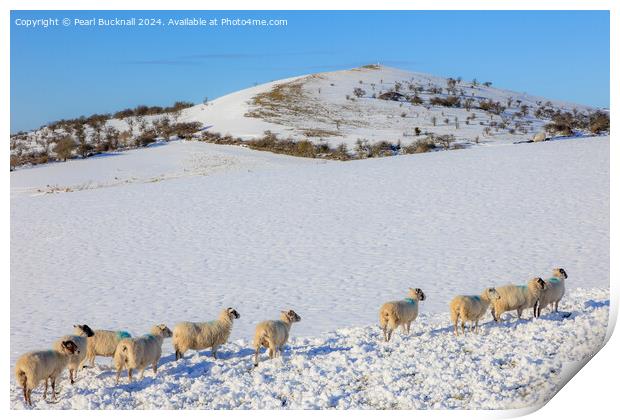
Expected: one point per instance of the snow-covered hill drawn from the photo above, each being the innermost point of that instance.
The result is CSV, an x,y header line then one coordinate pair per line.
x,y
368,104
179,230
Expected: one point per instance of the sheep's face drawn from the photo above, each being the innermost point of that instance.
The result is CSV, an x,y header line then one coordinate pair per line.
x,y
83,330
163,330
417,294
232,313
538,283
560,273
492,294
291,316
70,347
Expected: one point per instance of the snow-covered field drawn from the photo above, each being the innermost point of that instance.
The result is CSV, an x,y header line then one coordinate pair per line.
x,y
508,366
181,230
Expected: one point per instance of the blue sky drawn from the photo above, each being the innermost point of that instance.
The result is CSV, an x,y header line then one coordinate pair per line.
x,y
64,72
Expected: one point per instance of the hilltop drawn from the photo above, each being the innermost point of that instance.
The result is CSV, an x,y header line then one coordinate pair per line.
x,y
363,112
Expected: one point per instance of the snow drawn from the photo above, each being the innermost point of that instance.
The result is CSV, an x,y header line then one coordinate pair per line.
x,y
180,230
320,111
512,365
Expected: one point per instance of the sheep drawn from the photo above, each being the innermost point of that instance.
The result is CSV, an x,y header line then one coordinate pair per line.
x,y
554,291
201,335
517,298
471,308
140,352
400,313
273,335
34,367
76,360
102,343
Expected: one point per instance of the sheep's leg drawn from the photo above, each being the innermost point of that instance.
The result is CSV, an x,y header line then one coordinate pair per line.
x,y
25,388
142,374
45,390
256,356
155,368
456,325
129,374
495,317
389,335
476,329
385,335
463,326
214,352
519,311
118,376
29,393
53,380
71,376
408,327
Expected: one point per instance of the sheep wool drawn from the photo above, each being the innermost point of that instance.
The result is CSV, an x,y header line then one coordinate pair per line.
x,y
273,335
400,313
202,335
471,308
140,352
37,366
102,343
555,290
518,298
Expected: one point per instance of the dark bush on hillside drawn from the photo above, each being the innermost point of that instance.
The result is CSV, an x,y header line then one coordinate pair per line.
x,y
146,137
449,101
419,146
185,130
598,122
142,110
64,148
492,107
563,123
416,100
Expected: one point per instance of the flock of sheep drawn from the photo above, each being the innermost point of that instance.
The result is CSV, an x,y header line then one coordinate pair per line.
x,y
71,351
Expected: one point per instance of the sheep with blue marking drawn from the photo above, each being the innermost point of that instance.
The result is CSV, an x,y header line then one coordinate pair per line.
x,y
140,352
471,308
102,343
400,313
555,290
518,298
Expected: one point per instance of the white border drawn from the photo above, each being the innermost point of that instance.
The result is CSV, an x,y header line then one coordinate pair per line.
x,y
591,393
